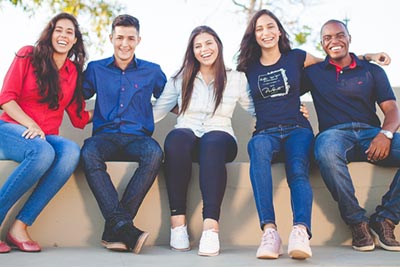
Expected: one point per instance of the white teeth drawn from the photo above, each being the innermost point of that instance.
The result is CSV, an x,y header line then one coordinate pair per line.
x,y
206,55
335,48
62,43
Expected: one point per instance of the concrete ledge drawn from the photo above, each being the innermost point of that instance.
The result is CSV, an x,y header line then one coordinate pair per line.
x,y
73,218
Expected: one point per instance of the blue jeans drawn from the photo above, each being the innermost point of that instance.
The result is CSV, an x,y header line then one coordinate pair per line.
x,y
293,145
120,147
49,163
344,143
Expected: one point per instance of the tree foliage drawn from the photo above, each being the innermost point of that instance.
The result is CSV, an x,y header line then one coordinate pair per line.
x,y
99,14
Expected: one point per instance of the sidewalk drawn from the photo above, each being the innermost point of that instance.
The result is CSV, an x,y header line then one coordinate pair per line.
x,y
157,256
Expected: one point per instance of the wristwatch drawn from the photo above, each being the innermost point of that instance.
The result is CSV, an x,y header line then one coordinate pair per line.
x,y
387,133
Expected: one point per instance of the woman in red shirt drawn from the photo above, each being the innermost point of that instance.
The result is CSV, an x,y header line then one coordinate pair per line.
x,y
42,82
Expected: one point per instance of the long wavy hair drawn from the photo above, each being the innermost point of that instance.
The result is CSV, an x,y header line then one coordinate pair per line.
x,y
191,66
46,71
250,51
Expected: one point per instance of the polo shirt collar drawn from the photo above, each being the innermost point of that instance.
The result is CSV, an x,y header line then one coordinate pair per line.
x,y
355,62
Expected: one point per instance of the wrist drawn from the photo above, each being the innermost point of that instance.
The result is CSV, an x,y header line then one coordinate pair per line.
x,y
388,134
365,57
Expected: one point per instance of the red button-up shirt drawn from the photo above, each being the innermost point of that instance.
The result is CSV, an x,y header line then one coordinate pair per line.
x,y
20,85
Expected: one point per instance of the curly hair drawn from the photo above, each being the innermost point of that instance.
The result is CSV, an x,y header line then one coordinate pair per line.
x,y
47,78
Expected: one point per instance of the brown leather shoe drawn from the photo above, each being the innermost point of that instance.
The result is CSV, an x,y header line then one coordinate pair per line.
x,y
384,233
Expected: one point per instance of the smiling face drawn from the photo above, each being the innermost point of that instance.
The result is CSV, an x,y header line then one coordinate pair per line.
x,y
63,37
205,49
335,41
125,39
267,32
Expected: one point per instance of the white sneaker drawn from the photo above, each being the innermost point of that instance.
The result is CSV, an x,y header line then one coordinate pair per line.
x,y
299,244
179,238
271,245
209,243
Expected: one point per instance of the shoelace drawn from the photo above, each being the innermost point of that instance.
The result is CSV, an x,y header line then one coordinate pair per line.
x,y
210,238
299,235
388,230
269,238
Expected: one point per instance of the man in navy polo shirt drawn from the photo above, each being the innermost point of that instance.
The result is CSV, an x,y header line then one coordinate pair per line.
x,y
122,128
345,91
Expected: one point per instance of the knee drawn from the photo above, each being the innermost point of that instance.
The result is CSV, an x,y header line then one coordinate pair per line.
x,y
259,147
44,152
153,151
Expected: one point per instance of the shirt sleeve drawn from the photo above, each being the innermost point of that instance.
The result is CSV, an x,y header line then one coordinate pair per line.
x,y
88,84
160,79
14,79
245,99
77,122
167,101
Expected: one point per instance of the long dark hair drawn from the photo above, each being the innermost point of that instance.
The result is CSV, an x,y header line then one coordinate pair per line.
x,y
190,67
47,78
249,51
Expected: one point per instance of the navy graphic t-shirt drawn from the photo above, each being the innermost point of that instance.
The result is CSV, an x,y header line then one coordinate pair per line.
x,y
275,90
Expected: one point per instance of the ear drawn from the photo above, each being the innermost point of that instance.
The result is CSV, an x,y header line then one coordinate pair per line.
x,y
111,37
139,39
349,39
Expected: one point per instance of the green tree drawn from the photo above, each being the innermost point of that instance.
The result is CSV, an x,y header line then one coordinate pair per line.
x,y
98,13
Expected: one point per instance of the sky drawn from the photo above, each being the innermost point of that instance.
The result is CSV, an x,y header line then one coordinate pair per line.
x,y
166,26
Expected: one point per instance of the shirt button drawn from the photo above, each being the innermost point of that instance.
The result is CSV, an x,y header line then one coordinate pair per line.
x,y
122,89
123,73
122,105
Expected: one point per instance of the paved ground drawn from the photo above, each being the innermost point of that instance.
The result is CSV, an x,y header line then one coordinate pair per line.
x,y
162,256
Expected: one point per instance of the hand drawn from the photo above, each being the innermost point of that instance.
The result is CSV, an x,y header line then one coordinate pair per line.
x,y
381,58
33,131
379,148
304,110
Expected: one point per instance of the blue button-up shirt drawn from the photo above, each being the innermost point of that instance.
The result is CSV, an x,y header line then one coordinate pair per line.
x,y
123,97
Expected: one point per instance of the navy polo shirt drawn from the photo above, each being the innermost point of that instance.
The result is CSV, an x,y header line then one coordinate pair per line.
x,y
123,97
275,90
349,94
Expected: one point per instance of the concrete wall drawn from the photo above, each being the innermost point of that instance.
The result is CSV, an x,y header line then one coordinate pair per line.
x,y
73,218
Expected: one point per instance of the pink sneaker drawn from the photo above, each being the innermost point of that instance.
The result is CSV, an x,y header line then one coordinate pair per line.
x,y
299,244
271,245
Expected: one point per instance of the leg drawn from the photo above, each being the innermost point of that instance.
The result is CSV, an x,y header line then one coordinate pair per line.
x,y
215,150
95,152
179,146
298,148
67,155
148,153
333,148
261,149
35,157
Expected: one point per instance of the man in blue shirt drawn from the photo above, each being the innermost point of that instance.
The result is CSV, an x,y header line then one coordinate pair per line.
x,y
122,128
345,91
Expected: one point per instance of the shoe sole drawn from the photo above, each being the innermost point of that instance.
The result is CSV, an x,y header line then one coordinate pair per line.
x,y
268,256
299,255
114,246
365,248
180,249
139,244
381,244
208,254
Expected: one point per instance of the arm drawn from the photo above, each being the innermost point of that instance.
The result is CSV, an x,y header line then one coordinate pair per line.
x,y
14,111
380,146
167,101
381,58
